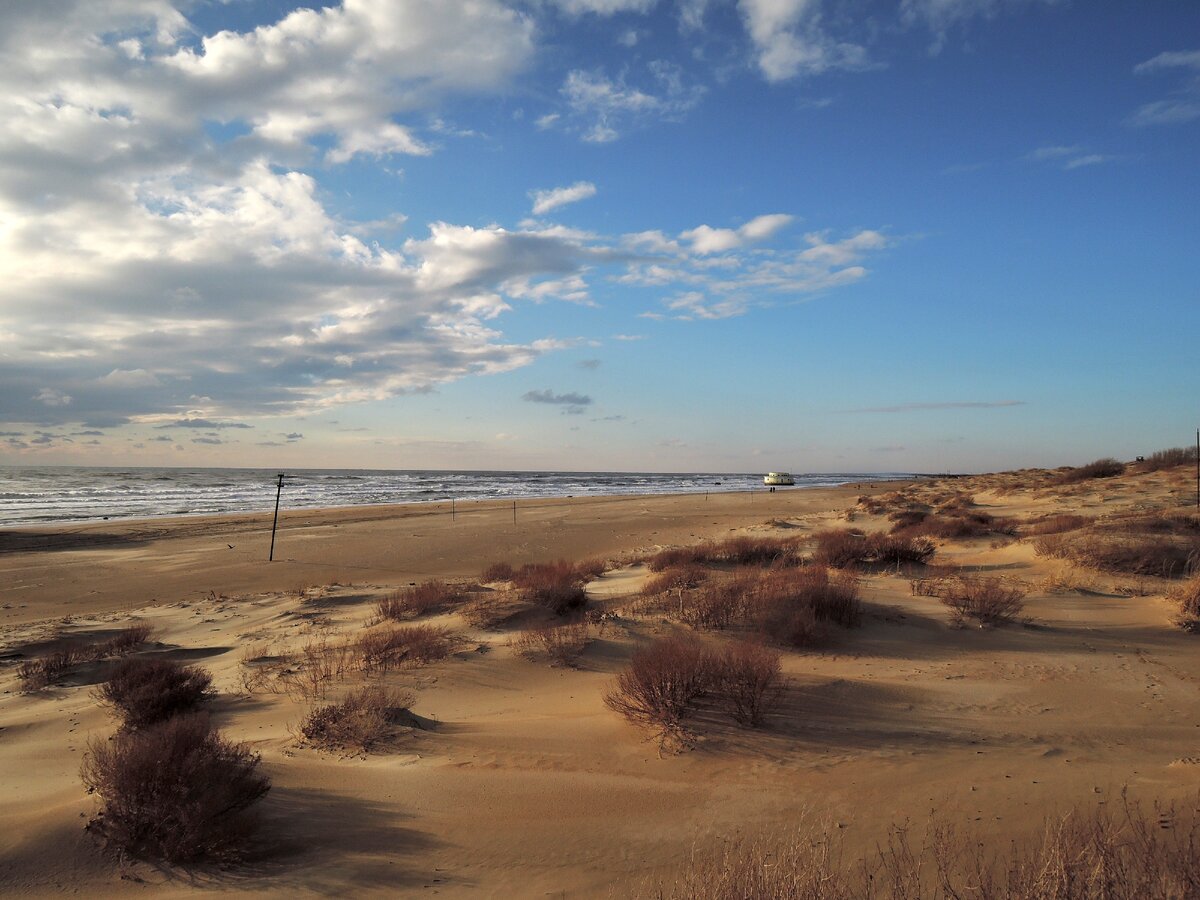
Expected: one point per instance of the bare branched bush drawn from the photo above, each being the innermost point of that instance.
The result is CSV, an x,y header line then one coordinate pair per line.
x,y
1056,524
682,577
36,674
415,601
846,547
561,644
364,719
717,604
841,547
1100,468
988,601
500,571
1168,459
146,691
321,663
680,557
176,791
395,646
1187,597
740,551
557,586
1125,855
750,679
1163,556
663,682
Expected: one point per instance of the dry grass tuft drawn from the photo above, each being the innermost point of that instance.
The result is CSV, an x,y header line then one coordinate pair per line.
x,y
415,601
845,547
1056,524
683,577
1187,597
500,571
147,691
740,551
1168,459
561,644
557,586
1100,468
394,646
36,674
1163,556
176,791
1127,855
988,601
361,721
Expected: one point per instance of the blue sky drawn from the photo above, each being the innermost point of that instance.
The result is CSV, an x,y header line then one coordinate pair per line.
x,y
925,235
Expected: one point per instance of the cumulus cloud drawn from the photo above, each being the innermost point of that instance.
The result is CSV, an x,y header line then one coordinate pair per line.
x,y
722,283
705,239
789,40
546,200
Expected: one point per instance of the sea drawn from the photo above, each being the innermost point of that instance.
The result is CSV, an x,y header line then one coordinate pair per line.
x,y
44,495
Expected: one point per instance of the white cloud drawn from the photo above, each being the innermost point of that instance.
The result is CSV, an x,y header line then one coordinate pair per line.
x,y
941,16
546,200
789,40
1184,105
604,7
599,106
705,239
1069,157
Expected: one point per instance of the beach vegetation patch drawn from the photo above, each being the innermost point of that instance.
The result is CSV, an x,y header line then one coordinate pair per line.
x,y
498,571
147,691
395,646
364,719
1168,459
986,601
417,600
562,645
1100,468
841,548
176,791
1162,556
557,586
1187,598
749,675
39,673
664,681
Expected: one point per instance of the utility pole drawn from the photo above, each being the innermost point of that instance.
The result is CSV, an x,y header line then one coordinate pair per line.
x,y
275,523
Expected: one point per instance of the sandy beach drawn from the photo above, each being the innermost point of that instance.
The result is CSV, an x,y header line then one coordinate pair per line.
x,y
522,783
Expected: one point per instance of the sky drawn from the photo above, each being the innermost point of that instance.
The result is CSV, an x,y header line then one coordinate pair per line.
x,y
638,235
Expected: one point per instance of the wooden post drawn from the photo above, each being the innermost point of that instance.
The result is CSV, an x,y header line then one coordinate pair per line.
x,y
275,522
514,512
452,514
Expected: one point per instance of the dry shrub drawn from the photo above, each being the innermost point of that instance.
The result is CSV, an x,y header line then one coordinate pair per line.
x,y
361,721
492,609
716,604
561,644
740,551
1157,555
176,791
989,601
845,547
591,568
500,571
682,577
956,523
147,691
750,680
417,600
35,674
1067,579
1187,597
795,607
679,557
1168,459
1127,855
1100,468
663,682
320,663
558,586
393,646
1055,524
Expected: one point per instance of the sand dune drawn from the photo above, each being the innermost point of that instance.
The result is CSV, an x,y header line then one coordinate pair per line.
x,y
523,783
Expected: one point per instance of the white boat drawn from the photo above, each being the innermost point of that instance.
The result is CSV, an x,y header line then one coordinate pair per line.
x,y
778,478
